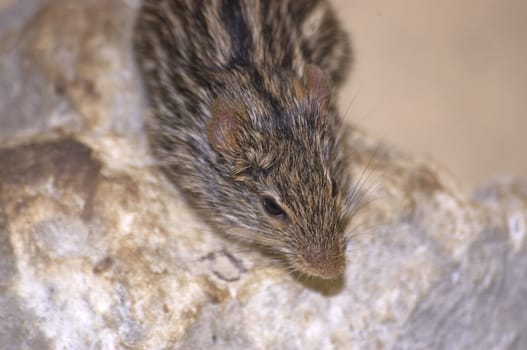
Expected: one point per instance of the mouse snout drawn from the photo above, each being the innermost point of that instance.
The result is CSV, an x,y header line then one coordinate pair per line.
x,y
324,262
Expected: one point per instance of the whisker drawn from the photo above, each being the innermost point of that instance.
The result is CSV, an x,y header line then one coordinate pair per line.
x,y
367,168
358,192
365,114
351,102
355,230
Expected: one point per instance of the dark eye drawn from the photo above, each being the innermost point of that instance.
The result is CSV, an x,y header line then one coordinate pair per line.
x,y
271,207
334,189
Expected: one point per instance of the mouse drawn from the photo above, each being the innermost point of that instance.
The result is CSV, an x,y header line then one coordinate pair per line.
x,y
243,120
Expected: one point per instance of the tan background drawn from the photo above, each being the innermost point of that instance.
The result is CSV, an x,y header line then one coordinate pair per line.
x,y
443,79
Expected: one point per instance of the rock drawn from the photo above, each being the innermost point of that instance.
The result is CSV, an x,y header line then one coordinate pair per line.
x,y
99,251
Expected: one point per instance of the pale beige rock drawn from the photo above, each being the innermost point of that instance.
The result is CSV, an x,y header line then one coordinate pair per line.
x,y
99,251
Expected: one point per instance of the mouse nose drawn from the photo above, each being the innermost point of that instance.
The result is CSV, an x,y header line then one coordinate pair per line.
x,y
324,262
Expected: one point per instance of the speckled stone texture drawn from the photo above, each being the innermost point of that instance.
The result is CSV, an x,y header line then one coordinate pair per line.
x,y
99,251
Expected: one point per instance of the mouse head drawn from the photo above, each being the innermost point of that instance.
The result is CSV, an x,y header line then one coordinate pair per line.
x,y
284,171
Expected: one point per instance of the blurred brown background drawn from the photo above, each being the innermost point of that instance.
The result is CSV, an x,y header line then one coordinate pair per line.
x,y
441,79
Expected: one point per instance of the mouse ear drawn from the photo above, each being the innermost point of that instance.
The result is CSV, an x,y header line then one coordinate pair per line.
x,y
223,130
316,86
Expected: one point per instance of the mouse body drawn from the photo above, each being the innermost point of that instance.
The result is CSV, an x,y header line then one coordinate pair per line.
x,y
243,119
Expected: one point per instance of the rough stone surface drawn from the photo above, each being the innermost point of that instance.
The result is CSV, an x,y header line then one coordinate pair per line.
x,y
99,251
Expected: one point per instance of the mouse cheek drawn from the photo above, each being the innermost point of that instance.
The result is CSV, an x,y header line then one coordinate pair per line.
x,y
278,227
